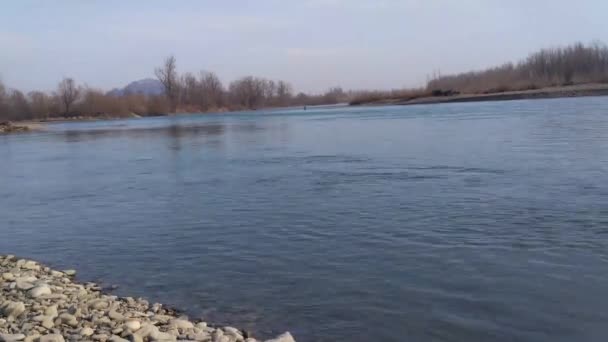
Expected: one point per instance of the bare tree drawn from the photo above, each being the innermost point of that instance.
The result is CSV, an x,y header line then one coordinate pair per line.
x,y
191,92
68,94
270,90
573,64
249,92
284,93
39,104
4,108
167,75
213,90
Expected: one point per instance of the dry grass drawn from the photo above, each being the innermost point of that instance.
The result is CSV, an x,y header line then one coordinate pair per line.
x,y
378,96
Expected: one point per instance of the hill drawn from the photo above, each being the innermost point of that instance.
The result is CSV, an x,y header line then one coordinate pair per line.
x,y
147,86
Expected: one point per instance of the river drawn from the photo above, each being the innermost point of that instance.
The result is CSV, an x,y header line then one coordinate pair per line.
x,y
452,222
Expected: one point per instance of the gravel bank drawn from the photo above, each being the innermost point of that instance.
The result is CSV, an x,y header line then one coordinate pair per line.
x,y
38,304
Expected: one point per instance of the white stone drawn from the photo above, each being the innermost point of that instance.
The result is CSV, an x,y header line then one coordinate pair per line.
x,y
115,338
201,336
146,330
162,318
57,274
32,338
31,265
116,316
132,324
12,310
39,291
86,331
162,336
100,337
23,284
233,332
98,304
51,311
70,273
8,276
48,322
286,337
181,324
68,319
11,337
217,333
51,338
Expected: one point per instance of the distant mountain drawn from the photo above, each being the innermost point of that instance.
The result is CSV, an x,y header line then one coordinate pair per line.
x,y
147,86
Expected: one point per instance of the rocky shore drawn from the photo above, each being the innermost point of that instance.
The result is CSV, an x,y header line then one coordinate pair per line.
x,y
21,126
9,127
39,304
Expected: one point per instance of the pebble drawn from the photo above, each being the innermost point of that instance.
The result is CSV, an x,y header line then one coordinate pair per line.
x,y
31,338
51,311
39,304
69,273
8,276
100,337
98,304
39,291
132,324
31,265
51,338
12,310
116,316
23,284
47,322
86,331
11,337
181,324
286,337
223,338
67,319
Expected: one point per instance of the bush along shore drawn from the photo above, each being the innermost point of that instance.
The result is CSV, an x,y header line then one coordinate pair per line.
x,y
39,304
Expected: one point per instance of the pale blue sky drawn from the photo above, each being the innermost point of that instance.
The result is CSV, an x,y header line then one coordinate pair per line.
x,y
314,44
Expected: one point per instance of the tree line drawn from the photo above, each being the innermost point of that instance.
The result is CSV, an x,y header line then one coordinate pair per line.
x,y
184,93
562,66
204,92
574,64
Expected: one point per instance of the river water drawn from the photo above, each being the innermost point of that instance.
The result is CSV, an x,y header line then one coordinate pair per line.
x,y
453,222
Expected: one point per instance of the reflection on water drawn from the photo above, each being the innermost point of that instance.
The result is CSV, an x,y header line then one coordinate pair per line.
x,y
459,222
212,134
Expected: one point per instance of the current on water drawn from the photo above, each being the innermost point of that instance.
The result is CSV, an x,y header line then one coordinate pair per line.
x,y
454,222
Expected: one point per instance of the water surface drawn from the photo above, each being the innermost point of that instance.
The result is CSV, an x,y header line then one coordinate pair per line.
x,y
454,222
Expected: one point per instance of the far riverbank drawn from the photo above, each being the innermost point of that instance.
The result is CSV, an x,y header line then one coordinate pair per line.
x,y
544,93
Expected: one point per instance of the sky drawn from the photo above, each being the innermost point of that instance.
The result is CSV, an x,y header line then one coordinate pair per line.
x,y
313,44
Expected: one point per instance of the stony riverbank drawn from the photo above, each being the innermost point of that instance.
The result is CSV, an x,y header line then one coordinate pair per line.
x,y
38,304
9,127
21,126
